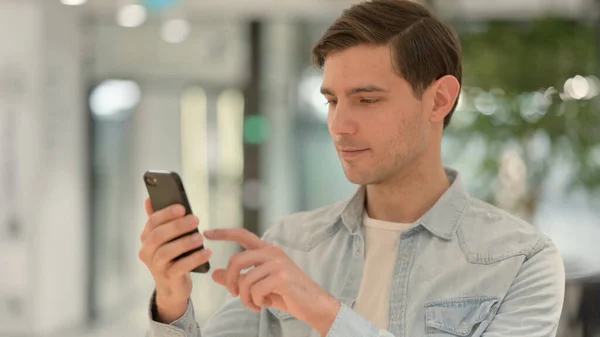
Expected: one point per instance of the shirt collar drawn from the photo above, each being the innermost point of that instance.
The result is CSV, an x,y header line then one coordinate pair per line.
x,y
441,220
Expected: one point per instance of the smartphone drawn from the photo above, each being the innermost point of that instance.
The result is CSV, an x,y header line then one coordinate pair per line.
x,y
165,189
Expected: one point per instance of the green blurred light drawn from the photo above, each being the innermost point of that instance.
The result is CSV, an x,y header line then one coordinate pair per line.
x,y
257,129
159,5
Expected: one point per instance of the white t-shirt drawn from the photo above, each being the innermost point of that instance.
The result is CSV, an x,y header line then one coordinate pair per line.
x,y
381,243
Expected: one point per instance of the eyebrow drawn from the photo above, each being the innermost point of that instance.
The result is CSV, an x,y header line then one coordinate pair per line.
x,y
353,91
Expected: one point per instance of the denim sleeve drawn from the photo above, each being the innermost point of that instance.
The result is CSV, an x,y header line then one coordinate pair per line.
x,y
233,319
533,304
349,323
185,326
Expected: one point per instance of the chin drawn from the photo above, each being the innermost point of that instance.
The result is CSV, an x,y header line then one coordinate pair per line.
x,y
359,178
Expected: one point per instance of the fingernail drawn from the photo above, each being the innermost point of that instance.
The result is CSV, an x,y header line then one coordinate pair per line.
x,y
196,237
209,232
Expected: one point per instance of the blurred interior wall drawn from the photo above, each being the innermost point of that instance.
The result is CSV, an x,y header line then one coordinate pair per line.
x,y
44,169
280,175
157,145
174,127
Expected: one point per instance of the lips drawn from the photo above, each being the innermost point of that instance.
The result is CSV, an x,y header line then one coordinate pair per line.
x,y
351,150
351,153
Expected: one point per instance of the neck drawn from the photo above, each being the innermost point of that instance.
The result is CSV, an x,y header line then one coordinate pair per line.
x,y
409,195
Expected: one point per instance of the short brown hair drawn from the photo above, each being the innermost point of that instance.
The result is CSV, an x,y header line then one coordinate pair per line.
x,y
424,49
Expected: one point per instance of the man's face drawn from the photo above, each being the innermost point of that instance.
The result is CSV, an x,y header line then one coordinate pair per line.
x,y
378,126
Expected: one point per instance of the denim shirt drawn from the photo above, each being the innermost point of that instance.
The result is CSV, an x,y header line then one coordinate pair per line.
x,y
465,268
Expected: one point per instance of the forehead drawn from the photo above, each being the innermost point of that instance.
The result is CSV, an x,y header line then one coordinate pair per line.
x,y
359,64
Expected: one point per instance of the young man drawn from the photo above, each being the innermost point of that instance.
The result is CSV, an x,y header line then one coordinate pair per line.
x,y
411,254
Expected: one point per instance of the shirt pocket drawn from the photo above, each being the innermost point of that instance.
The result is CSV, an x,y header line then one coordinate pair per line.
x,y
467,316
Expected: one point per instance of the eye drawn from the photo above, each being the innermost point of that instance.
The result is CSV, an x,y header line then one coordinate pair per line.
x,y
369,101
333,102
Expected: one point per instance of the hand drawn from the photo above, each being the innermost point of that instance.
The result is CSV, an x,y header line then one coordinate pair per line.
x,y
173,282
274,281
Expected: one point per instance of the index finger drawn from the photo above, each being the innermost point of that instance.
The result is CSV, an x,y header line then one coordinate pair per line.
x,y
242,236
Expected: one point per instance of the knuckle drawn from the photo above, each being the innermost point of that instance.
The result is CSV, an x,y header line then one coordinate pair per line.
x,y
282,275
161,257
235,261
152,221
154,237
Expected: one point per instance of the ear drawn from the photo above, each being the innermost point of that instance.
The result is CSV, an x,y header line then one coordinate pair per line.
x,y
444,93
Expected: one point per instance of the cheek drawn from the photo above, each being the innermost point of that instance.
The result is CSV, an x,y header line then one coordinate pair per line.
x,y
402,129
385,132
411,119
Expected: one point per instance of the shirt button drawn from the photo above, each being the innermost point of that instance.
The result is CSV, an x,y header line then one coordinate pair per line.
x,y
358,250
463,328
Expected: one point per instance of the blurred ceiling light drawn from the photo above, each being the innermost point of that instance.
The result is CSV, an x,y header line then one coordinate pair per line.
x,y
534,106
594,87
175,30
579,87
461,104
310,93
550,92
467,114
73,2
131,16
568,90
113,98
486,103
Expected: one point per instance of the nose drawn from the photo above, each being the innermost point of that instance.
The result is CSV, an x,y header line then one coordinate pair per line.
x,y
341,121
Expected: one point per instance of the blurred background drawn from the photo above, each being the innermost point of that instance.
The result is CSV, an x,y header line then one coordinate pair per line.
x,y
93,93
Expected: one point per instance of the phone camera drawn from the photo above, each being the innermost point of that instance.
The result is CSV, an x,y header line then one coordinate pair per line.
x,y
151,181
